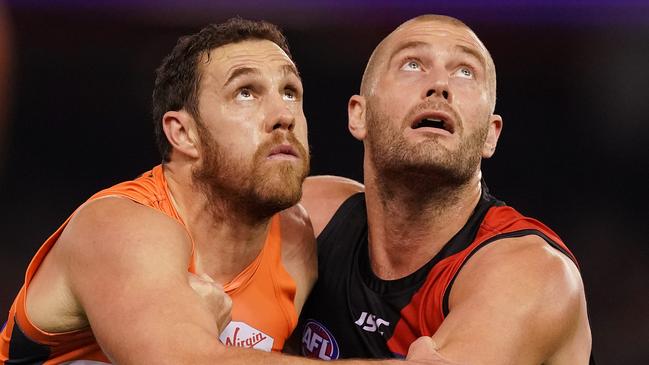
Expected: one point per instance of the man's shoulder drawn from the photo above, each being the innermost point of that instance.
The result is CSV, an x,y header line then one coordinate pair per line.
x,y
296,231
332,186
299,251
323,195
527,254
111,236
295,220
117,223
525,270
517,285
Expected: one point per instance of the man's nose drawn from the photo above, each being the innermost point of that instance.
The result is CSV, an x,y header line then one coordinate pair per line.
x,y
436,91
280,115
438,85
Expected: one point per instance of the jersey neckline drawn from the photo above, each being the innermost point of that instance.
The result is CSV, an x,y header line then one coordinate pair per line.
x,y
413,281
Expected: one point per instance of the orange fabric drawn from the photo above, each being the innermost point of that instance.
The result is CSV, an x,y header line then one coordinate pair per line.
x,y
262,294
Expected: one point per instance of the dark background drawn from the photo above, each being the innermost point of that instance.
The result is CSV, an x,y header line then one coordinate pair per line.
x,y
572,90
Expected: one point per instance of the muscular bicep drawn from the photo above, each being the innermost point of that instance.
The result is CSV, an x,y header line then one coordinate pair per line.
x,y
517,301
127,268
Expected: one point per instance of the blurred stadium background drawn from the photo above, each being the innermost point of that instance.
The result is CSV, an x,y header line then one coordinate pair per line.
x,y
573,80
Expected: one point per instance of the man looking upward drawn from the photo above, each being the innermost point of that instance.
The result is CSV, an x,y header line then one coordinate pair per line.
x,y
426,250
111,284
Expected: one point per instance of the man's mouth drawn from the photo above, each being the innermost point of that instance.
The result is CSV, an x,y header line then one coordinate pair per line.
x,y
435,120
283,151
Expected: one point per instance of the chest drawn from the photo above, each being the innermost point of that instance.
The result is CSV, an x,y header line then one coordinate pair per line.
x,y
352,313
263,313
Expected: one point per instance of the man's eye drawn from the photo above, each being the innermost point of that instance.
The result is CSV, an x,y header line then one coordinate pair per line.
x,y
465,72
244,94
411,66
290,94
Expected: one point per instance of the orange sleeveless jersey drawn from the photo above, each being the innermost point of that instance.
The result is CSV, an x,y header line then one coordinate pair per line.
x,y
263,313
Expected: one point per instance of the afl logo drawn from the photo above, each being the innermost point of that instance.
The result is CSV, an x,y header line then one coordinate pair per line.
x,y
318,342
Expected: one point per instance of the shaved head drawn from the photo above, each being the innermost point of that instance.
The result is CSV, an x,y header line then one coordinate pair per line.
x,y
380,55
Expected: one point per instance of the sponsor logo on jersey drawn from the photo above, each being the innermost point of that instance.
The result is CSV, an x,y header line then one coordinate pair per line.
x,y
241,334
371,323
318,342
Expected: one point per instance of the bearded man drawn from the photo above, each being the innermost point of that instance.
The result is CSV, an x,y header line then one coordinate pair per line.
x,y
425,250
112,283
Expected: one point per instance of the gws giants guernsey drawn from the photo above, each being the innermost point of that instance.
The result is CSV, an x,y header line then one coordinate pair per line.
x,y
263,314
351,313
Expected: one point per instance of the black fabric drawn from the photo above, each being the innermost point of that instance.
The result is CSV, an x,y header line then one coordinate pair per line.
x,y
412,282
22,350
352,310
339,247
348,291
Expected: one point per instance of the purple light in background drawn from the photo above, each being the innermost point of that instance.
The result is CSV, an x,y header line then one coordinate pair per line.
x,y
322,12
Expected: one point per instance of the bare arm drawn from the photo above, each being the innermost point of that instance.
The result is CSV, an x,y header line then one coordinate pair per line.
x,y
517,301
323,195
126,266
299,251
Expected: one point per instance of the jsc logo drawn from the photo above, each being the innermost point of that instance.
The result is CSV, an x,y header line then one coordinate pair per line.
x,y
318,342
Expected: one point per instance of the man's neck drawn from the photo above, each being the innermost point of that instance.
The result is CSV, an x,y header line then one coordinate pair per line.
x,y
226,239
409,226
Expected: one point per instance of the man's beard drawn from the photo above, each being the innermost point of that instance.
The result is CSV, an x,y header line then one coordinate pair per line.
x,y
250,187
429,164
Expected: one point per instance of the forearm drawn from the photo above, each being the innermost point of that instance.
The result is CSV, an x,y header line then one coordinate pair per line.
x,y
237,356
184,344
205,350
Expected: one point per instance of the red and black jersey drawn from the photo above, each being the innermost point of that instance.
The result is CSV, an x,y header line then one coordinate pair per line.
x,y
351,313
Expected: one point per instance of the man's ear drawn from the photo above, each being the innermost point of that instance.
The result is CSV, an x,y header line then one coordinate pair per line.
x,y
356,113
493,133
180,129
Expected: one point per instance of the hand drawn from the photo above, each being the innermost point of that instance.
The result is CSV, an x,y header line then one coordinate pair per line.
x,y
214,297
424,351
